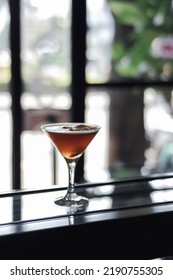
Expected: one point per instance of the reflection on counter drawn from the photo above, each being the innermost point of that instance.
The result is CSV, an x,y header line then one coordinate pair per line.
x,y
32,205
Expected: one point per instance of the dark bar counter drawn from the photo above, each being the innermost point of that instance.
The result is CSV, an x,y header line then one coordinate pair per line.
x,y
125,219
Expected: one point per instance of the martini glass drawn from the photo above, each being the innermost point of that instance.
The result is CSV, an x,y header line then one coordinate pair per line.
x,y
71,140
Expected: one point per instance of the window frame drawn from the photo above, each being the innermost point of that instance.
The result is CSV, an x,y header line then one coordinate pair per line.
x,y
78,87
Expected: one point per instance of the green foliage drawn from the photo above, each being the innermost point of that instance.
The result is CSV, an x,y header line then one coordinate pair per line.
x,y
146,20
127,12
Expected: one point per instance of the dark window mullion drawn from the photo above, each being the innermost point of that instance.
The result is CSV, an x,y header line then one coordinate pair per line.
x,y
78,60
16,90
78,52
131,83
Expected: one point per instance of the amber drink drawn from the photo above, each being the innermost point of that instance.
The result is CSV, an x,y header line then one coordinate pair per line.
x,y
71,140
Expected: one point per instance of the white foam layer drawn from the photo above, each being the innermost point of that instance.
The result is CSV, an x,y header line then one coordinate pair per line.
x,y
70,128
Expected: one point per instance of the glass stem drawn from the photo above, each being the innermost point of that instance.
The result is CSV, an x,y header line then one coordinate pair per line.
x,y
71,173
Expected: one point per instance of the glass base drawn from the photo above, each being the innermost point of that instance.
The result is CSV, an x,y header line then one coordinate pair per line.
x,y
72,201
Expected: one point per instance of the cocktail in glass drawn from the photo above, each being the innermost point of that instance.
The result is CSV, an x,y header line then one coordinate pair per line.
x,y
71,140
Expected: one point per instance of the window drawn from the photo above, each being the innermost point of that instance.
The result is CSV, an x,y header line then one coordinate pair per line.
x,y
46,76
85,61
132,75
5,99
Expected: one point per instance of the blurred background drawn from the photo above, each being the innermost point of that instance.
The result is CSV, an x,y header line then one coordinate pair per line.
x,y
108,62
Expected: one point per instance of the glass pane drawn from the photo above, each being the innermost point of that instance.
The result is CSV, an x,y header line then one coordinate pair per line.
x,y
100,35
129,40
158,112
96,155
5,99
136,138
46,74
